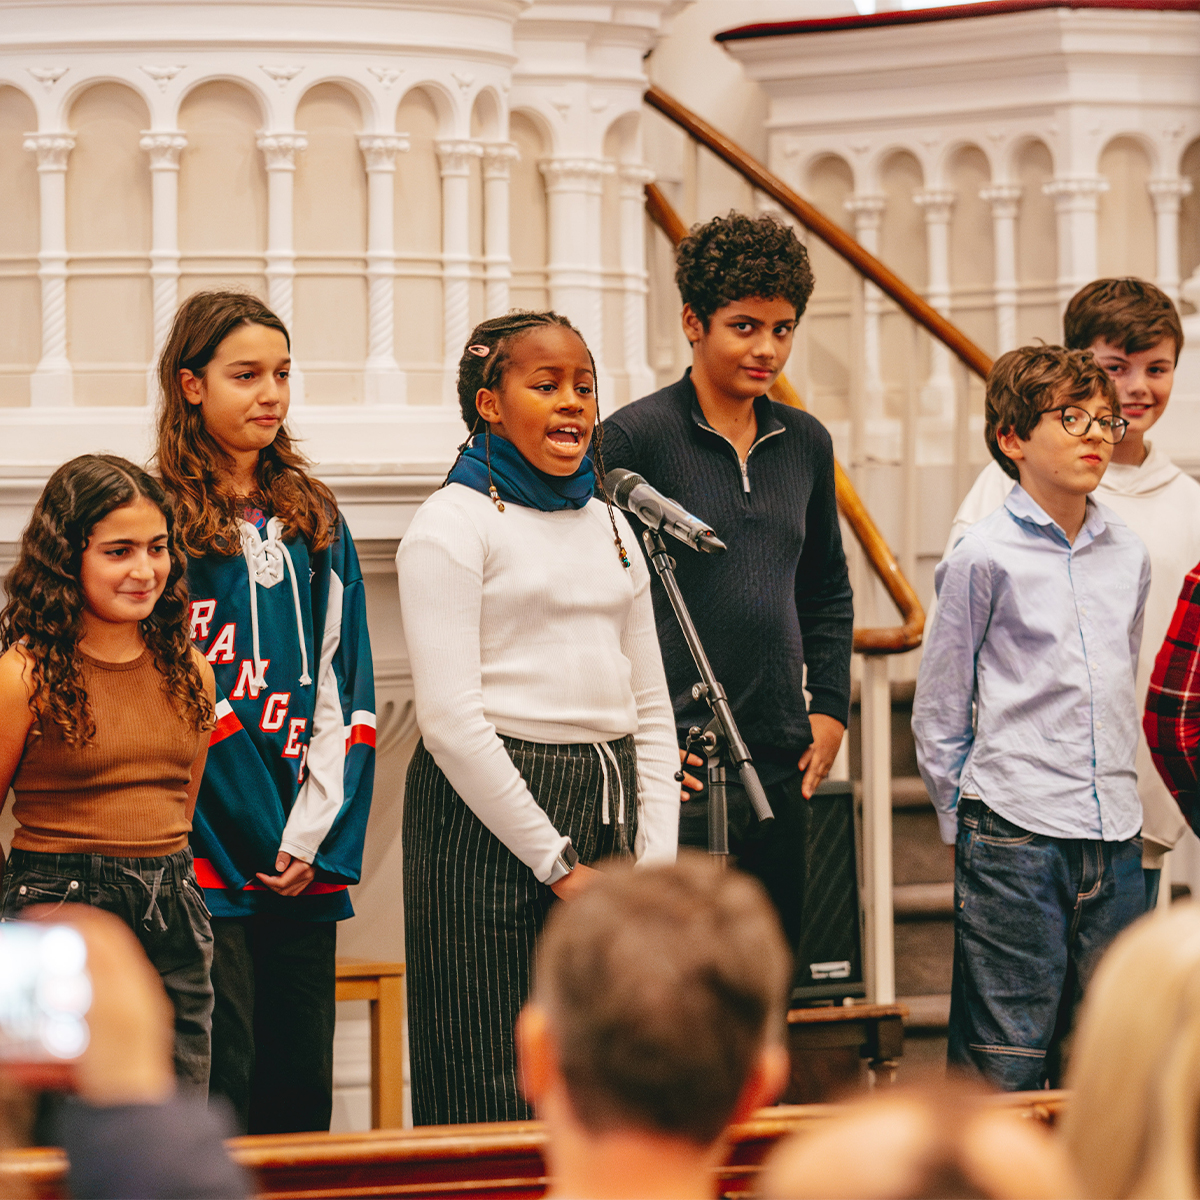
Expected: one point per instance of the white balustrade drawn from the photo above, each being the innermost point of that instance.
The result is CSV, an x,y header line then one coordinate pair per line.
x,y
455,158
498,158
383,382
164,147
880,439
1077,205
1167,195
279,151
574,189
937,396
1005,199
879,952
51,383
634,284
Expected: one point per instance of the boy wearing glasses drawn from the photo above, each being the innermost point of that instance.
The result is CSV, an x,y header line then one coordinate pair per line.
x,y
1026,720
1134,331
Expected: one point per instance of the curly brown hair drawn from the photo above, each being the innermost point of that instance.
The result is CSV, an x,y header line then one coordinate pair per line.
x,y
734,257
1025,382
191,462
44,612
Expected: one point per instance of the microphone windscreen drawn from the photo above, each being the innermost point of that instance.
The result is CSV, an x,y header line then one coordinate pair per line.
x,y
619,483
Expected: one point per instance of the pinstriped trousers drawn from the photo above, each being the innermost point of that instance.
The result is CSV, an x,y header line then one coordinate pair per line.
x,y
473,912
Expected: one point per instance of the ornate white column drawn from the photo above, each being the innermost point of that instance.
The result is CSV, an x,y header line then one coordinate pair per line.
x,y
1167,195
1077,203
1005,199
455,158
498,158
937,395
279,150
51,382
634,178
164,147
383,381
574,190
867,211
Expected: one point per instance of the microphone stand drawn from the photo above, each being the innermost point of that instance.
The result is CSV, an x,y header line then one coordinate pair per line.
x,y
721,736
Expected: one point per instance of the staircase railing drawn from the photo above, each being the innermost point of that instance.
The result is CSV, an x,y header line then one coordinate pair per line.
x,y
873,644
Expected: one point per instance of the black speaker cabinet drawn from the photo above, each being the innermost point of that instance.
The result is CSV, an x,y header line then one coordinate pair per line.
x,y
829,956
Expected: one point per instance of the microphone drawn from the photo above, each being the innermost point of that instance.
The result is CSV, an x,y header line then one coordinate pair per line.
x,y
632,493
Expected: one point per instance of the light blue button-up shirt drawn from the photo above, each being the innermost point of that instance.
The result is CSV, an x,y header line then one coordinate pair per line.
x,y
1041,637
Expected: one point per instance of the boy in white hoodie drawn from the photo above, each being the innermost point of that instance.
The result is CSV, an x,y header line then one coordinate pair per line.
x,y
1133,329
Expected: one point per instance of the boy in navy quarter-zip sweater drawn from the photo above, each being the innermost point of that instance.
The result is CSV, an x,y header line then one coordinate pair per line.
x,y
761,474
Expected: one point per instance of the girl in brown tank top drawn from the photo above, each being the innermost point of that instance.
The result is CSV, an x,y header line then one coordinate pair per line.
x,y
105,709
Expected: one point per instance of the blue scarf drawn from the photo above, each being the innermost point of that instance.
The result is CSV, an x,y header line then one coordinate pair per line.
x,y
517,481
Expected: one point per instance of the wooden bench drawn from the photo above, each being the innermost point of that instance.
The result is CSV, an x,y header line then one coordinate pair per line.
x,y
381,984
455,1162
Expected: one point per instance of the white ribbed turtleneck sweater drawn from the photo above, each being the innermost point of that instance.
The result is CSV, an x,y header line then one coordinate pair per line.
x,y
525,623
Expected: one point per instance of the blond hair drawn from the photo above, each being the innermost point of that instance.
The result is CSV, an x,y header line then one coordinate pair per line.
x,y
1133,1127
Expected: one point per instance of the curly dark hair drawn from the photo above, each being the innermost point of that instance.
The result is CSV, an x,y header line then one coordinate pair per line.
x,y
1025,382
44,612
191,462
733,257
478,371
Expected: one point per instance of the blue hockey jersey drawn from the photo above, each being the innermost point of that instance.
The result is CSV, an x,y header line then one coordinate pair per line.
x,y
291,759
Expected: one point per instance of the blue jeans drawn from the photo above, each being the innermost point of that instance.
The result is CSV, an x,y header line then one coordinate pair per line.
x,y
159,899
1032,916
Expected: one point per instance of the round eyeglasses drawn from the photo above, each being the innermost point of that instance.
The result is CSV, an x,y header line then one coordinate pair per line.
x,y
1077,421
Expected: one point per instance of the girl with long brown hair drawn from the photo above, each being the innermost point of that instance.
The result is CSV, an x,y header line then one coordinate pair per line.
x,y
105,709
277,607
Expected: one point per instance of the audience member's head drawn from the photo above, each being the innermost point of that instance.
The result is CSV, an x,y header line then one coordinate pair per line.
x,y
1131,314
656,1020
948,1140
1133,1126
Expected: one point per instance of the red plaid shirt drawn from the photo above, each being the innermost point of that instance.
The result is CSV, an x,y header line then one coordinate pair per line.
x,y
1172,720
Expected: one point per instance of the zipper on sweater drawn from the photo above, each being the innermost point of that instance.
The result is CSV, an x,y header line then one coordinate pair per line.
x,y
743,465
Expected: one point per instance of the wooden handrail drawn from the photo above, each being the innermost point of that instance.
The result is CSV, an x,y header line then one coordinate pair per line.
x,y
458,1162
832,234
896,639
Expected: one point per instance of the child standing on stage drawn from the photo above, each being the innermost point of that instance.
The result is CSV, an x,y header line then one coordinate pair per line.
x,y
105,709
1026,720
547,737
278,609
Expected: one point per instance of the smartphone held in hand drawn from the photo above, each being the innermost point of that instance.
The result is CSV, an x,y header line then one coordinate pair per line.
x,y
45,994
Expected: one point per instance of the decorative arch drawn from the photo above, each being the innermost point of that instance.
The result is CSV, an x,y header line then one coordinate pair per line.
x,y
262,100
487,116
444,105
953,152
72,95
20,229
624,135
1126,236
538,121
368,109
826,158
1019,148
1147,144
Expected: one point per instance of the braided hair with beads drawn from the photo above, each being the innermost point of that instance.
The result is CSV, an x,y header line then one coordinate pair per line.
x,y
482,365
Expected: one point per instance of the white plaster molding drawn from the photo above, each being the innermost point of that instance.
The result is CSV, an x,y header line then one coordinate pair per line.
x,y
162,75
380,149
386,75
280,149
498,158
164,147
52,149
48,76
281,76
